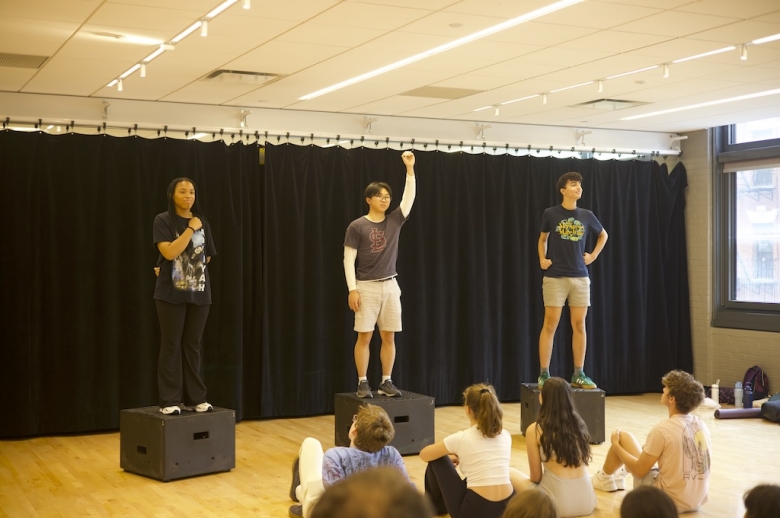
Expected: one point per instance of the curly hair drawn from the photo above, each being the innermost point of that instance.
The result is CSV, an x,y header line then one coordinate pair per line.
x,y
374,430
564,433
687,392
564,180
483,402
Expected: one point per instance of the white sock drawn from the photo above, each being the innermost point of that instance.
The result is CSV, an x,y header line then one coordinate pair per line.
x,y
362,378
385,378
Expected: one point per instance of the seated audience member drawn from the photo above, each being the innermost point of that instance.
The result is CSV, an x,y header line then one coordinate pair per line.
x,y
375,493
763,501
314,471
558,447
531,504
648,502
482,452
680,445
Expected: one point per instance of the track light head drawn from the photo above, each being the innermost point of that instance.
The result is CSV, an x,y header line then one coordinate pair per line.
x,y
204,28
143,69
119,86
544,98
743,53
666,70
246,4
601,86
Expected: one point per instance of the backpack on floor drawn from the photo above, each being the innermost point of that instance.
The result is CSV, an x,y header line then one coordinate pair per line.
x,y
758,381
771,409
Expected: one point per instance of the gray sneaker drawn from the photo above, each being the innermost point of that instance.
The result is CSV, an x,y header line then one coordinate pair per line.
x,y
364,389
386,388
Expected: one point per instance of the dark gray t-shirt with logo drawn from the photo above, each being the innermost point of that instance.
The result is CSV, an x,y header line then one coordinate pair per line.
x,y
376,245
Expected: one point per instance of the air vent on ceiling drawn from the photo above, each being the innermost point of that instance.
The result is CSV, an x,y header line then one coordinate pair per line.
x,y
610,104
440,92
242,77
22,60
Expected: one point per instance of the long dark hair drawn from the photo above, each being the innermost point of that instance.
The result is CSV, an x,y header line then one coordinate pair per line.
x,y
176,225
483,402
564,433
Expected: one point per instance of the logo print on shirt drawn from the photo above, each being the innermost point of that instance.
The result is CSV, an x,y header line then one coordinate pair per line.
x,y
378,241
570,229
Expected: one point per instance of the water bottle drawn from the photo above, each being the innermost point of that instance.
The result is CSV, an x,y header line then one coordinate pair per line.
x,y
747,397
738,394
715,391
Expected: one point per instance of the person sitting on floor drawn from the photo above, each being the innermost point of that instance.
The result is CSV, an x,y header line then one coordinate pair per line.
x,y
482,452
315,470
680,445
648,502
763,501
375,493
531,504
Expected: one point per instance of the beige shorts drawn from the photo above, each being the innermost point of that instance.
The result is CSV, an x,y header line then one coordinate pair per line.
x,y
647,480
380,304
556,290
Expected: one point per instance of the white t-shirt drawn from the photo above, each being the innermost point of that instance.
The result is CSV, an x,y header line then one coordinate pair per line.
x,y
483,461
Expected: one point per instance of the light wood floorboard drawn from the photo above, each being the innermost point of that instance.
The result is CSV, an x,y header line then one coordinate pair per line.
x,y
80,475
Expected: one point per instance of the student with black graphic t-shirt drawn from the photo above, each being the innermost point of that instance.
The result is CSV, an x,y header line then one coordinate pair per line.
x,y
374,294
562,256
182,295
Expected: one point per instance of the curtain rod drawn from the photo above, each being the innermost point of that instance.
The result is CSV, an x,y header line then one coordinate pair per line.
x,y
362,140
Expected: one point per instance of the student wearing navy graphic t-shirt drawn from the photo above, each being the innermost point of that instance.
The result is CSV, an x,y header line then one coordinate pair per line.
x,y
562,256
182,295
374,294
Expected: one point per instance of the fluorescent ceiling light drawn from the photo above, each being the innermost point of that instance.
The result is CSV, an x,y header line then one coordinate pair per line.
x,y
130,71
710,53
221,7
633,72
483,108
702,105
570,87
759,41
112,83
520,99
186,32
153,55
447,46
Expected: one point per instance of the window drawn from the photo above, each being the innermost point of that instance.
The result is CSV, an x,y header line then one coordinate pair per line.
x,y
765,129
747,229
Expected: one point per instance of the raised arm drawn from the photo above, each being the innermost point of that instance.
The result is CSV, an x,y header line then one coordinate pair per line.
x,y
410,189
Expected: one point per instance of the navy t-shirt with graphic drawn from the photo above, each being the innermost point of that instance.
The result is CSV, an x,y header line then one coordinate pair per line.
x,y
569,230
186,278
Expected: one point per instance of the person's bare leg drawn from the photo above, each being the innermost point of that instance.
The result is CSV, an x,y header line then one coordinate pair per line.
x,y
362,353
629,443
579,338
387,352
552,316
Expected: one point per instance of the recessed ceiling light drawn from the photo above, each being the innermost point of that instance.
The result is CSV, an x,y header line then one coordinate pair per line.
x,y
456,25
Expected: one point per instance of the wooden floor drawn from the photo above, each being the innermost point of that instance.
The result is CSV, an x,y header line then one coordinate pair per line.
x,y
80,475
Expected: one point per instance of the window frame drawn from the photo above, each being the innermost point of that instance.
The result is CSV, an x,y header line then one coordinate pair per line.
x,y
729,313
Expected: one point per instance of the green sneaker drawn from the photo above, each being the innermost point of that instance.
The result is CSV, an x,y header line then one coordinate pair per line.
x,y
542,378
582,381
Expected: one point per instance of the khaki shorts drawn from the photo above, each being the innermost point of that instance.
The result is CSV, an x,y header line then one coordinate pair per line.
x,y
647,480
380,304
556,290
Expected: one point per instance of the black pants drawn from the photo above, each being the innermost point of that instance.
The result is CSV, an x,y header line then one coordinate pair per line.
x,y
179,378
449,494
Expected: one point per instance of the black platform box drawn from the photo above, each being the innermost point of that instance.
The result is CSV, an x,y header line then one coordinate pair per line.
x,y
412,416
167,447
589,404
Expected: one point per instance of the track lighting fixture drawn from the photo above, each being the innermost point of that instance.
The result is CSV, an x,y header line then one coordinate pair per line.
x,y
119,86
743,53
204,28
246,4
544,98
244,115
601,86
666,70
143,69
496,111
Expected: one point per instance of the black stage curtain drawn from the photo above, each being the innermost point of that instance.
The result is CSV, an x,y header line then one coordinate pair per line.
x,y
80,334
